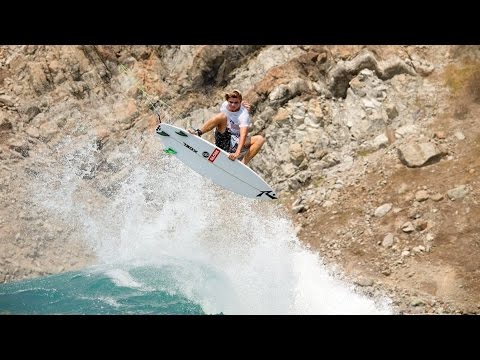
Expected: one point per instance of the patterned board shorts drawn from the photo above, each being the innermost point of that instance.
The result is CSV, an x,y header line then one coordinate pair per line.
x,y
224,142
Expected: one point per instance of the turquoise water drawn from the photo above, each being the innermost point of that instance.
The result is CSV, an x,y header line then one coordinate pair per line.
x,y
97,292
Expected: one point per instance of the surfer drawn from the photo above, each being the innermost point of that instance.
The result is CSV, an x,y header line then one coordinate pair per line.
x,y
231,129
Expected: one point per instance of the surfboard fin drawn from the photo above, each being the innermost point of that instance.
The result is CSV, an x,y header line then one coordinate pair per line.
x,y
169,151
181,133
159,130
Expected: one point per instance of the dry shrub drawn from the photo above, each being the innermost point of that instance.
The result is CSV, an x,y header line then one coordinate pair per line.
x,y
473,86
464,81
461,108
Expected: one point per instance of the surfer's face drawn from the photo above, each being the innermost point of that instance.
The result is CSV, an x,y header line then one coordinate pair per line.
x,y
233,104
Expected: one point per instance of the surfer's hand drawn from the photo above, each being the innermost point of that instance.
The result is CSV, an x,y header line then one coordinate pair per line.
x,y
246,105
233,156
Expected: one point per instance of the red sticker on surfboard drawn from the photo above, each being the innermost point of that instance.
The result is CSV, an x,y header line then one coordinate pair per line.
x,y
213,155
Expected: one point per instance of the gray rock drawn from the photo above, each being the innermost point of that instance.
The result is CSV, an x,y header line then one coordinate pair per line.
x,y
458,193
419,154
388,240
383,210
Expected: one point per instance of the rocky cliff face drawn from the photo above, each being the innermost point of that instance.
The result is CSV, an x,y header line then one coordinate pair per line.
x,y
373,149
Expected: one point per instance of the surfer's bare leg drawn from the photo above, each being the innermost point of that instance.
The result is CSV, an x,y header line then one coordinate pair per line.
x,y
256,144
219,122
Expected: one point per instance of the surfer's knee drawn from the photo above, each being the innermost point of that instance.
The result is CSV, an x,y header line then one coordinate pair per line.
x,y
222,123
259,140
262,140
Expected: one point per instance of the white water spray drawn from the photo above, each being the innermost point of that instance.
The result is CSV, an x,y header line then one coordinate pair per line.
x,y
229,254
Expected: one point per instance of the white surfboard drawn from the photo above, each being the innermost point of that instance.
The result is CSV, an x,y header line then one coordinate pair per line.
x,y
212,162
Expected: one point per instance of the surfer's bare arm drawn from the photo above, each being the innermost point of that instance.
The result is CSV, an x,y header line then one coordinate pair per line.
x,y
241,143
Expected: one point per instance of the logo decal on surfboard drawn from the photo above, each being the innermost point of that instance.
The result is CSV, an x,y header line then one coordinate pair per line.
x,y
214,155
270,194
205,154
169,151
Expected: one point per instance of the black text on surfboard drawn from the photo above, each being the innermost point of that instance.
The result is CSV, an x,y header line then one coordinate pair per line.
x,y
189,147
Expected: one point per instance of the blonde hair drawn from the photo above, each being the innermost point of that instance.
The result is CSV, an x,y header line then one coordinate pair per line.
x,y
234,94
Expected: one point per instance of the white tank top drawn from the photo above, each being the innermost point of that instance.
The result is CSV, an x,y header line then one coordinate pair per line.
x,y
236,119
